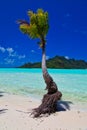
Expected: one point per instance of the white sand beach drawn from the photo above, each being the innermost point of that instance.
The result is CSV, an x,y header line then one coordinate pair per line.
x,y
15,114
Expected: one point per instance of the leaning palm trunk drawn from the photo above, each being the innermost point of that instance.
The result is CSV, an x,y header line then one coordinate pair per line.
x,y
49,101
50,85
38,28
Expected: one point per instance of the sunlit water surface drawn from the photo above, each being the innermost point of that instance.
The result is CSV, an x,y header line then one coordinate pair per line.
x,y
29,82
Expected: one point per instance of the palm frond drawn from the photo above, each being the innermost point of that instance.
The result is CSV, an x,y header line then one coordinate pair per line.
x,y
22,22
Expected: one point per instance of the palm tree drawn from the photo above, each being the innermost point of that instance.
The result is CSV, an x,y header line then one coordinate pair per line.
x,y
38,28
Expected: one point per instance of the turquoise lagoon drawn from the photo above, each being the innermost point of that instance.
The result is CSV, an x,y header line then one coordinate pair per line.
x,y
29,82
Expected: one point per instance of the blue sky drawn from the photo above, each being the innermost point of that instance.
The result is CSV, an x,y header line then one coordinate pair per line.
x,y
67,35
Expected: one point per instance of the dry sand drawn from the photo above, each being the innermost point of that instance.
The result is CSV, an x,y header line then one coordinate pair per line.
x,y
15,114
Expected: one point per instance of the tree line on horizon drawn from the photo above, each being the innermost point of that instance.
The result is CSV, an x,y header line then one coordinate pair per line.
x,y
59,62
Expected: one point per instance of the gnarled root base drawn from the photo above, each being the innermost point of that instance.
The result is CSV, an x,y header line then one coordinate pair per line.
x,y
49,103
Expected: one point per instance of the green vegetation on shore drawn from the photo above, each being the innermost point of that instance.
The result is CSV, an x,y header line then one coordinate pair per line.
x,y
59,62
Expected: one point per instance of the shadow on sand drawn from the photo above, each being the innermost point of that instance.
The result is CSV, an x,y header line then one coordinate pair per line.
x,y
1,94
63,105
3,111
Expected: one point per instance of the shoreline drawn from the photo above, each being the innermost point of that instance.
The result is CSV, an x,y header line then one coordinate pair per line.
x,y
15,114
65,102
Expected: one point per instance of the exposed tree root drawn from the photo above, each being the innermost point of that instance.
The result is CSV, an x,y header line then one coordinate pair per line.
x,y
49,103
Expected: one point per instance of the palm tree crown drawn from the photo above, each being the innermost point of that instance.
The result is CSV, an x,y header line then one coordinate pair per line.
x,y
38,25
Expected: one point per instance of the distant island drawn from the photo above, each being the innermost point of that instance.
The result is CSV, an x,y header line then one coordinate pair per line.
x,y
59,62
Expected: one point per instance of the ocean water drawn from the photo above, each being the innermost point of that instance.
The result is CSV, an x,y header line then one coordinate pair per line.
x,y
29,82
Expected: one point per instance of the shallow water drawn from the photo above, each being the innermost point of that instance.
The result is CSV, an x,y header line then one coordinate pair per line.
x,y
29,82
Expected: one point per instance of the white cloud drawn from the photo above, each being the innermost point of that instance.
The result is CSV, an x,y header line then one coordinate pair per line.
x,y
32,51
21,56
47,57
9,61
67,57
12,55
2,49
10,50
